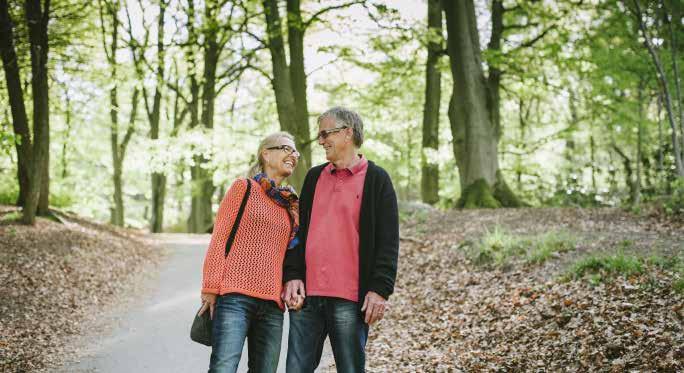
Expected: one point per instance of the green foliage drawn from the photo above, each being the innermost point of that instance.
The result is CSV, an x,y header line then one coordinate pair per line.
x,y
605,266
416,216
674,203
499,248
11,217
602,268
9,190
545,246
61,197
678,285
572,192
674,264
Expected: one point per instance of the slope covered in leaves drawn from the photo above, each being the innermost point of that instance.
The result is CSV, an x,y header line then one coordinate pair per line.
x,y
449,314
57,278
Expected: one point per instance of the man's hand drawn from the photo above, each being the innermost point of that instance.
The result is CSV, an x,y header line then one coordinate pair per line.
x,y
293,294
374,306
208,301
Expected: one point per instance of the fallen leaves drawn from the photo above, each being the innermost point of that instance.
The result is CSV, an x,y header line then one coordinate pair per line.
x,y
450,315
55,278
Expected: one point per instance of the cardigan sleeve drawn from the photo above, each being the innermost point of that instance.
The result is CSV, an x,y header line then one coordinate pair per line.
x,y
384,270
214,259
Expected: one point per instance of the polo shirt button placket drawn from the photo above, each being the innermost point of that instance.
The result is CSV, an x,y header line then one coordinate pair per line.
x,y
338,183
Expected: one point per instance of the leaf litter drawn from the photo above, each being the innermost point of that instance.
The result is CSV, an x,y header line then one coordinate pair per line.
x,y
56,279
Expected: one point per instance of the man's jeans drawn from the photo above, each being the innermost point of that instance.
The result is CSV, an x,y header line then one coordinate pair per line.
x,y
327,316
237,316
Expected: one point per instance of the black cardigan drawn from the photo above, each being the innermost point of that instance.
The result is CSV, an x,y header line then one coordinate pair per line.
x,y
378,233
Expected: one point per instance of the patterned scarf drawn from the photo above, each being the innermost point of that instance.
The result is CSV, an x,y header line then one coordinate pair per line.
x,y
284,196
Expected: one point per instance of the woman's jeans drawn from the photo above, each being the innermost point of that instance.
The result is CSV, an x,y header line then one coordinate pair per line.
x,y
237,316
337,318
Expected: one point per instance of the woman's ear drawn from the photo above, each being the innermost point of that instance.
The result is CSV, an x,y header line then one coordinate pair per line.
x,y
265,158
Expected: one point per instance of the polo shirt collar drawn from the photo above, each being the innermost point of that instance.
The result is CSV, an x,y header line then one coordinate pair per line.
x,y
355,169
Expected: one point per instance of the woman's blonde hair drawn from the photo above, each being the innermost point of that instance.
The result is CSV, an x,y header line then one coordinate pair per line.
x,y
267,142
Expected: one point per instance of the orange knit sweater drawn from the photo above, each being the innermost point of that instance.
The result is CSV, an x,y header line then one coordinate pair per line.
x,y
254,264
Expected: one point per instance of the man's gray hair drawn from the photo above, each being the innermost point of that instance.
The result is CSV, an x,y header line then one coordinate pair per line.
x,y
346,118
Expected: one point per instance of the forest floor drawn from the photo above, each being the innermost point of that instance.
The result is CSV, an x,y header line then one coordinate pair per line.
x,y
57,278
477,290
534,290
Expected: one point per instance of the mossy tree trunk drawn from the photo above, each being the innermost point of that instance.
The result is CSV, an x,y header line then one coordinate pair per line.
x,y
37,19
429,168
289,81
473,126
15,94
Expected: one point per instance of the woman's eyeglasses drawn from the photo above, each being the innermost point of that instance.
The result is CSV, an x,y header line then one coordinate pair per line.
x,y
286,148
325,133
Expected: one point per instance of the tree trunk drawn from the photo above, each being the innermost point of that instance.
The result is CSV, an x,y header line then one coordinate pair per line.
x,y
196,218
429,168
629,173
118,147
674,15
474,135
282,83
67,120
660,73
661,140
636,196
116,212
202,177
301,132
158,178
16,100
37,17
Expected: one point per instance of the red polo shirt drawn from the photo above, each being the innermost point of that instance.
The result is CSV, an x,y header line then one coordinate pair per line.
x,y
332,245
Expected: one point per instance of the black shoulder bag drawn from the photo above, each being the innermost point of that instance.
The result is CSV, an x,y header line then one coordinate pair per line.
x,y
201,328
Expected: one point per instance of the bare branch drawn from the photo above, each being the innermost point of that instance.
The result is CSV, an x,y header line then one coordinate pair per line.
x,y
131,123
534,40
318,14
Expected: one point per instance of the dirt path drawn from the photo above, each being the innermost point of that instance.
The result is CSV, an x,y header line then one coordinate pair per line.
x,y
152,334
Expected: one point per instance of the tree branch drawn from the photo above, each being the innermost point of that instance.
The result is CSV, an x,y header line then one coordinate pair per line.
x,y
318,14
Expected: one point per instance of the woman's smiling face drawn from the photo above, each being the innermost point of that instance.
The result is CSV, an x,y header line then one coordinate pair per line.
x,y
281,158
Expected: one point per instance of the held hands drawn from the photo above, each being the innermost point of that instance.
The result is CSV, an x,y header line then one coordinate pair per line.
x,y
293,294
208,301
374,306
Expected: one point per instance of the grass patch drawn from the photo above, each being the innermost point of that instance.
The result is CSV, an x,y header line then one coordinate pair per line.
x,y
11,216
603,268
548,244
413,216
608,265
678,285
499,248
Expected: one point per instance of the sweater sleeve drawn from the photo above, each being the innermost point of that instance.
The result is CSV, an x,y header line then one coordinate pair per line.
x,y
214,259
384,271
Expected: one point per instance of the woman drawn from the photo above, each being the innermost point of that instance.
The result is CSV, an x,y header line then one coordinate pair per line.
x,y
242,276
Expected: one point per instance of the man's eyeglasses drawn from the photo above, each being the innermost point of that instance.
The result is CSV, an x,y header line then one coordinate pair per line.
x,y
286,148
325,133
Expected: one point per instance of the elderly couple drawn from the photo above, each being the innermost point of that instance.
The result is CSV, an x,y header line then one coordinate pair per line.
x,y
329,255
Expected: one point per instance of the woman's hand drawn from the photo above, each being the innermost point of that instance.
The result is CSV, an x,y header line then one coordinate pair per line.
x,y
208,301
294,294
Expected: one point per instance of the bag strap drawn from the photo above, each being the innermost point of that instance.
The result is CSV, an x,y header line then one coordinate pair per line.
x,y
238,218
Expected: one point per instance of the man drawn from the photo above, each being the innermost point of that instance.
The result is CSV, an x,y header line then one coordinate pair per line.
x,y
347,255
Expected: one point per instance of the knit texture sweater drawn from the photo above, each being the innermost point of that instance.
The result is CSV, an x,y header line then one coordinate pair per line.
x,y
254,264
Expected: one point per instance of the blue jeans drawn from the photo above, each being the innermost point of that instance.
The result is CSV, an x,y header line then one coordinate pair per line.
x,y
237,317
327,316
